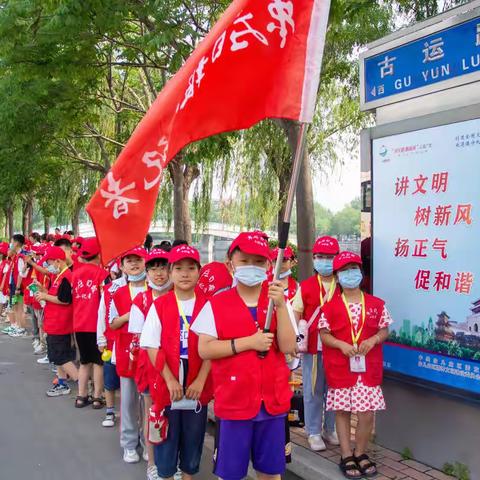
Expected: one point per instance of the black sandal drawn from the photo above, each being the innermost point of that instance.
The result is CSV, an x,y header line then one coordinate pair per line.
x,y
81,402
97,403
366,466
349,464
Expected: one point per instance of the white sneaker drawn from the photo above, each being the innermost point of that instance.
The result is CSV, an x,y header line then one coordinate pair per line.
x,y
152,473
44,360
316,443
35,342
109,420
145,454
331,438
39,349
130,456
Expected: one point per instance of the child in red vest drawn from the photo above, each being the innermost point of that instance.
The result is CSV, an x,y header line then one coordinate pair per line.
x,y
252,394
313,293
184,386
159,284
58,320
125,354
289,284
353,327
88,280
4,269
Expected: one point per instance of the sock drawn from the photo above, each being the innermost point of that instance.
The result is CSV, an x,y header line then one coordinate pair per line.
x,y
62,381
110,410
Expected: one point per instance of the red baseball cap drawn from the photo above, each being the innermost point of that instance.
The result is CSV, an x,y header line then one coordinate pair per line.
x,y
138,251
251,243
261,233
156,253
345,258
79,240
4,248
39,249
183,251
214,277
89,248
326,246
54,253
288,254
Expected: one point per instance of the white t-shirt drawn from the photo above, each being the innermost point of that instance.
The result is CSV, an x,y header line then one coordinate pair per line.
x,y
205,322
136,320
152,329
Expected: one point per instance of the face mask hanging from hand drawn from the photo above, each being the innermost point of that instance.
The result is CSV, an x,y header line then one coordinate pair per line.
x,y
250,275
350,278
323,266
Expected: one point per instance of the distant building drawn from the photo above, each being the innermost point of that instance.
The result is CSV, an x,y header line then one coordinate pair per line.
x,y
443,330
406,330
473,320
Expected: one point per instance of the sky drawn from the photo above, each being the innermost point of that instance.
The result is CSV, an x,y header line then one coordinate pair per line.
x,y
340,187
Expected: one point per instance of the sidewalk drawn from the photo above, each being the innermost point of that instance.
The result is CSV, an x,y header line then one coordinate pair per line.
x,y
324,465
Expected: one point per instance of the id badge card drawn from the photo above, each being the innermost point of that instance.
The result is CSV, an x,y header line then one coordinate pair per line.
x,y
358,364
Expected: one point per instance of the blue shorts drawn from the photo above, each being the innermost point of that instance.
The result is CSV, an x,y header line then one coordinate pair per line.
x,y
111,380
184,444
261,440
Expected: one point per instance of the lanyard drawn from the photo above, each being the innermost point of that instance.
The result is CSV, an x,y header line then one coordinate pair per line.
x,y
180,311
60,274
355,337
333,285
130,288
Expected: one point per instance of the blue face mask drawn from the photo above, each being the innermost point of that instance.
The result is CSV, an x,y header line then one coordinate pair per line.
x,y
186,404
350,278
137,278
250,275
285,274
323,266
53,269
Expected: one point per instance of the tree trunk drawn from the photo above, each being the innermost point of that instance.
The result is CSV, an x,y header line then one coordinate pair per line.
x,y
76,221
6,233
11,230
304,206
46,224
29,215
182,177
25,217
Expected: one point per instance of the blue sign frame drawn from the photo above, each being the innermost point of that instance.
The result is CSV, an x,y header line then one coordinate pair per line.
x,y
432,62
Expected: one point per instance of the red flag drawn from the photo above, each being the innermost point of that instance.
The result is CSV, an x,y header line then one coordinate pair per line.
x,y
261,60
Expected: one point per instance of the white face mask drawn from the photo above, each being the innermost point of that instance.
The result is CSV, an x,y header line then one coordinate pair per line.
x,y
250,275
285,274
160,288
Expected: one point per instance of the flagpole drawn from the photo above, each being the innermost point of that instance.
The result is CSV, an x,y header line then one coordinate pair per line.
x,y
285,229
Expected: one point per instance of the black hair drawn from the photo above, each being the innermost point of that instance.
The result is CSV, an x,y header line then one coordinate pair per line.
x,y
164,245
35,236
156,262
178,242
44,237
148,242
63,242
57,228
230,253
19,238
70,232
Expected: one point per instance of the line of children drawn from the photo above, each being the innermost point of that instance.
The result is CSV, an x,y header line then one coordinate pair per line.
x,y
180,335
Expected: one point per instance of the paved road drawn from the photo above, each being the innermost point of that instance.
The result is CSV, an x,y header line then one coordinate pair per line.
x,y
45,438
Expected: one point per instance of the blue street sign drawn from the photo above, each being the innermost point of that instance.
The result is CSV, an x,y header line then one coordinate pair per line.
x,y
446,54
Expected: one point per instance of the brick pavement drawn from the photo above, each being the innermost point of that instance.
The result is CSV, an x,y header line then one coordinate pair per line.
x,y
391,465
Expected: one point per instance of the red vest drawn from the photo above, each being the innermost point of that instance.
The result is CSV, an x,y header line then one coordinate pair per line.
x,y
16,270
143,301
310,289
243,381
292,288
6,278
335,363
167,311
58,319
123,303
87,281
